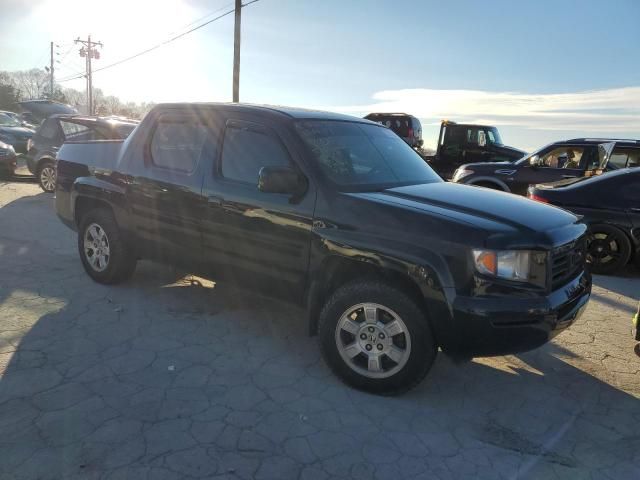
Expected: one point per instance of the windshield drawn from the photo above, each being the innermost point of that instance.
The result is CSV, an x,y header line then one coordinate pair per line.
x,y
494,136
8,121
363,157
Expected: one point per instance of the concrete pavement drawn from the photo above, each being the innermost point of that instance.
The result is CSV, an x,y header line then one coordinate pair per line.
x,y
174,377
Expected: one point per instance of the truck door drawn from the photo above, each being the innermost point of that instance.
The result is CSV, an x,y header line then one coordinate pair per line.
x,y
475,143
262,239
165,188
450,153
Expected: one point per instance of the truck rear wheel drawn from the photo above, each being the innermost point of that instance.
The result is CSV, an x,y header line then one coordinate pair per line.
x,y
376,338
104,254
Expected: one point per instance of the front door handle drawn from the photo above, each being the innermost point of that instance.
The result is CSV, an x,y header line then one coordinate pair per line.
x,y
215,200
635,209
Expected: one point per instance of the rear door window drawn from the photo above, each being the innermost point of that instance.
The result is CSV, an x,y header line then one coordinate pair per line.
x,y
177,143
78,132
624,157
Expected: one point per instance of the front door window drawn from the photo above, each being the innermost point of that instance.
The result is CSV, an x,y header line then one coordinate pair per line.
x,y
564,157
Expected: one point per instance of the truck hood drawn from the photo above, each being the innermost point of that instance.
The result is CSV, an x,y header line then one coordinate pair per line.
x,y
514,153
513,219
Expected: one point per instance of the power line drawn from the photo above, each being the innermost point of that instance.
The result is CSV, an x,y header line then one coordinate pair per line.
x,y
202,18
155,47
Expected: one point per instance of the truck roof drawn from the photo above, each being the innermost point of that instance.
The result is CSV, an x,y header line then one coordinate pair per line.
x,y
292,112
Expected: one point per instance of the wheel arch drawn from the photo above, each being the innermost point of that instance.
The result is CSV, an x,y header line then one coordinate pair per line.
x,y
419,282
42,160
88,193
503,186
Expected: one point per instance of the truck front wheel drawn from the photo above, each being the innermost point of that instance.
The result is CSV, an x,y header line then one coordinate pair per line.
x,y
104,254
376,338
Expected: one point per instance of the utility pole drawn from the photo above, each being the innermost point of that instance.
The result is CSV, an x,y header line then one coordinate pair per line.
x,y
236,53
89,51
51,75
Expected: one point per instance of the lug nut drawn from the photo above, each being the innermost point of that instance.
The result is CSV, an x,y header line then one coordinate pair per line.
x,y
381,336
368,347
363,336
380,346
371,329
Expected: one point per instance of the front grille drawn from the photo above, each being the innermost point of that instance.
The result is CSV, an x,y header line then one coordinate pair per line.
x,y
567,261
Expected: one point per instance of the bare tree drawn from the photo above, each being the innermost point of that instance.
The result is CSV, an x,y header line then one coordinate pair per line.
x,y
30,84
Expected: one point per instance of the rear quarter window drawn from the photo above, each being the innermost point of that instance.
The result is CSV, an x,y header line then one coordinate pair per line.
x,y
177,143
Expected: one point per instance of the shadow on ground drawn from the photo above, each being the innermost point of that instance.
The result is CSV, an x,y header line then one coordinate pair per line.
x,y
165,377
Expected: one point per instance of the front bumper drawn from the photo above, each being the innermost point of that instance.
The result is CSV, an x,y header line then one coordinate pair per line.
x,y
500,325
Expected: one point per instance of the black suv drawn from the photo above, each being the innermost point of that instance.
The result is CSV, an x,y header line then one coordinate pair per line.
x,y
575,158
57,129
405,126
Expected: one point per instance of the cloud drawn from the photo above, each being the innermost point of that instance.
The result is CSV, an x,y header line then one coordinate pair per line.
x,y
604,111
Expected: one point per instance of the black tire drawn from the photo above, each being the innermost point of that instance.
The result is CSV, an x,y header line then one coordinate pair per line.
x,y
420,356
120,262
608,249
46,172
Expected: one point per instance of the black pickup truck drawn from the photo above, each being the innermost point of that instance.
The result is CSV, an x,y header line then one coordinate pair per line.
x,y
338,214
460,143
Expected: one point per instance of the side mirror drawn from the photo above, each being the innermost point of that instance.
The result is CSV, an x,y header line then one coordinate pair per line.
x,y
535,161
280,180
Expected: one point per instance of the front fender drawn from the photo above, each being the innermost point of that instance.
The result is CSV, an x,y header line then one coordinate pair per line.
x,y
420,269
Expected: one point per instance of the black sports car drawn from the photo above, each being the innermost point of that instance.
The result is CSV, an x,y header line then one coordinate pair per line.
x,y
580,157
610,204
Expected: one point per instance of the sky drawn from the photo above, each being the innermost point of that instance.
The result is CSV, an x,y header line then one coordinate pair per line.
x,y
539,70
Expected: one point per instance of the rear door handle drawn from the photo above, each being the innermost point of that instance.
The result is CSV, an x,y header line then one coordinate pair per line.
x,y
635,209
568,176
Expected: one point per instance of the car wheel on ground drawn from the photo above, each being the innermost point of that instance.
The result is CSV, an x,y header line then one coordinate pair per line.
x,y
102,249
608,249
46,176
376,338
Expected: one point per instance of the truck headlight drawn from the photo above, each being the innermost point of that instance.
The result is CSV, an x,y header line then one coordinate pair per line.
x,y
516,265
460,174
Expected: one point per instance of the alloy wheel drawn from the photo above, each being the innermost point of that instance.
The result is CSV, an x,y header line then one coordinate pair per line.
x,y
96,247
603,249
373,340
48,178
